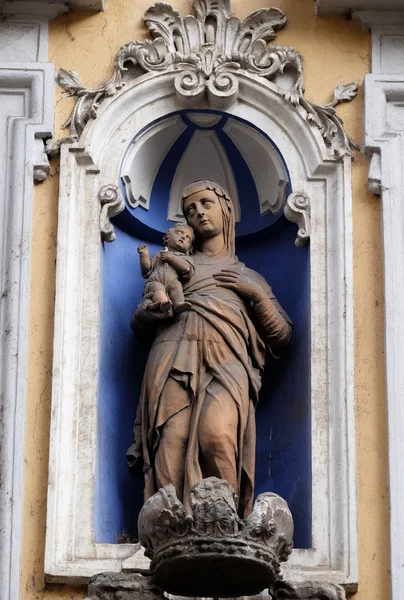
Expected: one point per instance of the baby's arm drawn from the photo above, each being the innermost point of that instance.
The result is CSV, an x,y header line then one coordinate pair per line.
x,y
182,266
144,258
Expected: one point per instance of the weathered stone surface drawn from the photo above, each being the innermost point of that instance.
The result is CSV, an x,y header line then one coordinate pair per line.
x,y
282,590
122,586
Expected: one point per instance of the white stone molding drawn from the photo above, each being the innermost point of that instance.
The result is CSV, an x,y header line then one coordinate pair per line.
x,y
387,44
378,18
346,7
47,8
384,132
71,552
26,116
23,39
375,173
112,204
208,53
384,140
26,120
384,144
297,210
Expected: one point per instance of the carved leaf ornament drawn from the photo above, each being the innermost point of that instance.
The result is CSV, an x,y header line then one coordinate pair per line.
x,y
207,52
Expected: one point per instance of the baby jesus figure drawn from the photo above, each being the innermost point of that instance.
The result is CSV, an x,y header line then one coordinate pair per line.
x,y
165,270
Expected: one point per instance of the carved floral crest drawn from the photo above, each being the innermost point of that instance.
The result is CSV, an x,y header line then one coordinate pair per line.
x,y
207,52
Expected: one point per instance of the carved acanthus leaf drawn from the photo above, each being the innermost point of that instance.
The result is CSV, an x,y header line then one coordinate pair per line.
x,y
70,81
208,51
344,92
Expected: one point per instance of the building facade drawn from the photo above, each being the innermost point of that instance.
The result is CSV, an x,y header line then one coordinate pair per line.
x,y
356,257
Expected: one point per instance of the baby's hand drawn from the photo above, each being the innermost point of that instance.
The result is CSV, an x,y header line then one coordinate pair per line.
x,y
166,256
142,249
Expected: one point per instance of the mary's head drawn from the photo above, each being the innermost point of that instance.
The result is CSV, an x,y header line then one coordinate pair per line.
x,y
208,209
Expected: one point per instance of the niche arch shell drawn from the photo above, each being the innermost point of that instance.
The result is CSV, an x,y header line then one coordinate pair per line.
x,y
95,161
192,144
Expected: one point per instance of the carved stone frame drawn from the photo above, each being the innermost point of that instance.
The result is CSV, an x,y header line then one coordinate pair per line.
x,y
30,120
86,166
384,109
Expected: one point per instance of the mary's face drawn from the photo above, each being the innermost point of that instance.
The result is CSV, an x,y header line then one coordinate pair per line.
x,y
203,213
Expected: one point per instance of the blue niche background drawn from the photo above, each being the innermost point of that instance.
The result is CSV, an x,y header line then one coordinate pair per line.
x,y
265,244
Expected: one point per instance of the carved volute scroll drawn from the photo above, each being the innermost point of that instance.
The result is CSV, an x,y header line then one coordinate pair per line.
x,y
297,210
111,205
207,52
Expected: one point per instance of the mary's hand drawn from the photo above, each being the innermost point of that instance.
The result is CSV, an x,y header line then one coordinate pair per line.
x,y
243,285
145,314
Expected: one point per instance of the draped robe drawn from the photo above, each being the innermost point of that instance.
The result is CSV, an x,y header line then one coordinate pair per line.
x,y
222,338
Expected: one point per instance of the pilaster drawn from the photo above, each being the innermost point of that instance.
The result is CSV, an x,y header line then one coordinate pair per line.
x,y
384,145
26,121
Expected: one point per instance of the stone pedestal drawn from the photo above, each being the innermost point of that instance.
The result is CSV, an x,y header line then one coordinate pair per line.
x,y
211,553
134,586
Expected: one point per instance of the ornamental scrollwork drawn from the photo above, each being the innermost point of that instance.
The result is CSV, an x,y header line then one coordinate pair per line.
x,y
112,204
207,52
297,210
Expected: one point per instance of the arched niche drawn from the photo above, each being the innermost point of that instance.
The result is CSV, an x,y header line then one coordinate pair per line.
x,y
163,158
91,171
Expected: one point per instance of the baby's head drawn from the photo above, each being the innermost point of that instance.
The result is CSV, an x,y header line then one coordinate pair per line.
x,y
179,238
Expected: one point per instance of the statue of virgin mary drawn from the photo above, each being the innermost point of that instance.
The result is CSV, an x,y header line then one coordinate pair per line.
x,y
196,417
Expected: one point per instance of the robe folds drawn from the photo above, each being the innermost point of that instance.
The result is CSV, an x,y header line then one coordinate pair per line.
x,y
222,338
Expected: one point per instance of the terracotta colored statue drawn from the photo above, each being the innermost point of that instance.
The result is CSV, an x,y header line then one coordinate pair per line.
x,y
200,388
166,270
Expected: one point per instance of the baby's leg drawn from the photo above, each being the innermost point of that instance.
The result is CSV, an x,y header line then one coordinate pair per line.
x,y
160,298
176,294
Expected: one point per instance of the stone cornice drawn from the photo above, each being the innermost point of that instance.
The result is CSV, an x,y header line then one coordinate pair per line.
x,y
46,8
347,7
379,18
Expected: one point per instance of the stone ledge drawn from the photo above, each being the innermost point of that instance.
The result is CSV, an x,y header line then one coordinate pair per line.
x,y
344,7
49,9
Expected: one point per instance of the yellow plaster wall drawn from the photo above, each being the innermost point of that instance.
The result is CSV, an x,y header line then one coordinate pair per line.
x,y
334,50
